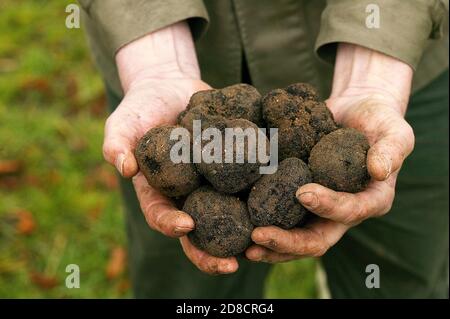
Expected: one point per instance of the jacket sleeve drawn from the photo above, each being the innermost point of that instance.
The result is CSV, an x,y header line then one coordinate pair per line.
x,y
403,29
119,22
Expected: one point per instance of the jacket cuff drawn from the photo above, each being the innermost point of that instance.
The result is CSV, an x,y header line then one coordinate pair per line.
x,y
404,27
121,21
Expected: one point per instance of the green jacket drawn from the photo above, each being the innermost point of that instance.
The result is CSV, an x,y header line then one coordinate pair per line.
x,y
283,41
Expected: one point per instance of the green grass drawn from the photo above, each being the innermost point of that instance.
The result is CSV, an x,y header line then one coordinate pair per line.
x,y
51,123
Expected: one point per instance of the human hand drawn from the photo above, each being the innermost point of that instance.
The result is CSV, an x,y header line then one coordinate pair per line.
x,y
372,98
159,73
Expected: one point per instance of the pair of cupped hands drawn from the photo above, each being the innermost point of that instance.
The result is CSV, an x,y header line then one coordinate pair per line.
x,y
375,106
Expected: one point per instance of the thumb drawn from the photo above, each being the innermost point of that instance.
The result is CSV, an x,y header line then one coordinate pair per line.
x,y
118,144
387,154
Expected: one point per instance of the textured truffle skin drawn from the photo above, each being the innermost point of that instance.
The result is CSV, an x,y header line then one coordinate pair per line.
x,y
301,119
153,157
222,224
239,101
338,161
272,200
233,177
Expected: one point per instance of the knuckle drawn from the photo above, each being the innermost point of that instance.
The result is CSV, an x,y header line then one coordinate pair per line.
x,y
157,219
319,250
356,215
406,139
210,267
107,151
388,204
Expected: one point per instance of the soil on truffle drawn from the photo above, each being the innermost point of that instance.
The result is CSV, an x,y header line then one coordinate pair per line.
x,y
222,224
302,120
239,101
338,161
233,177
272,200
153,157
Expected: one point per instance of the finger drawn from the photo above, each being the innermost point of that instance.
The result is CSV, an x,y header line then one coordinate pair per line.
x,y
207,263
390,150
119,142
159,212
312,240
347,208
262,254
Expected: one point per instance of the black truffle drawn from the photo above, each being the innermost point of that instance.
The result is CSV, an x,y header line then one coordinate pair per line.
x,y
233,177
239,101
338,161
301,119
153,157
272,199
222,224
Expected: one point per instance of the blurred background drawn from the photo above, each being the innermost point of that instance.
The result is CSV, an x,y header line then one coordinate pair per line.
x,y
59,201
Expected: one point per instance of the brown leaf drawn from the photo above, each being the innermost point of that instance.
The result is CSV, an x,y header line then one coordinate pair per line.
x,y
98,106
8,167
123,286
25,224
10,182
107,178
43,281
116,263
95,212
39,84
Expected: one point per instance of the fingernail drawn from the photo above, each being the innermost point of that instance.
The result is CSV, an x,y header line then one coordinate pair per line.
x,y
120,162
308,199
385,164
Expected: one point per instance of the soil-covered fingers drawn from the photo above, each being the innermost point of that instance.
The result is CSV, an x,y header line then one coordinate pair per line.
x,y
119,141
207,263
347,208
159,211
390,150
311,241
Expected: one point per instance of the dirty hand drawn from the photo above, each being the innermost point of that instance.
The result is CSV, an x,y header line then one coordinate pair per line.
x,y
370,93
159,73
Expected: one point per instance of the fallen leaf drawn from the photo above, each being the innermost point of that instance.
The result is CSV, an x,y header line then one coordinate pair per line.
x,y
8,167
10,183
25,224
43,281
107,177
94,212
97,107
123,286
116,263
39,84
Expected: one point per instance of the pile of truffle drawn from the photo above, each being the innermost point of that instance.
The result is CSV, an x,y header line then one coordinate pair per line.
x,y
227,200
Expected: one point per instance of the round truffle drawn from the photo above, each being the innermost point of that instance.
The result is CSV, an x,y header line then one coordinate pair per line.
x,y
301,119
272,200
222,224
239,101
338,161
236,166
153,157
